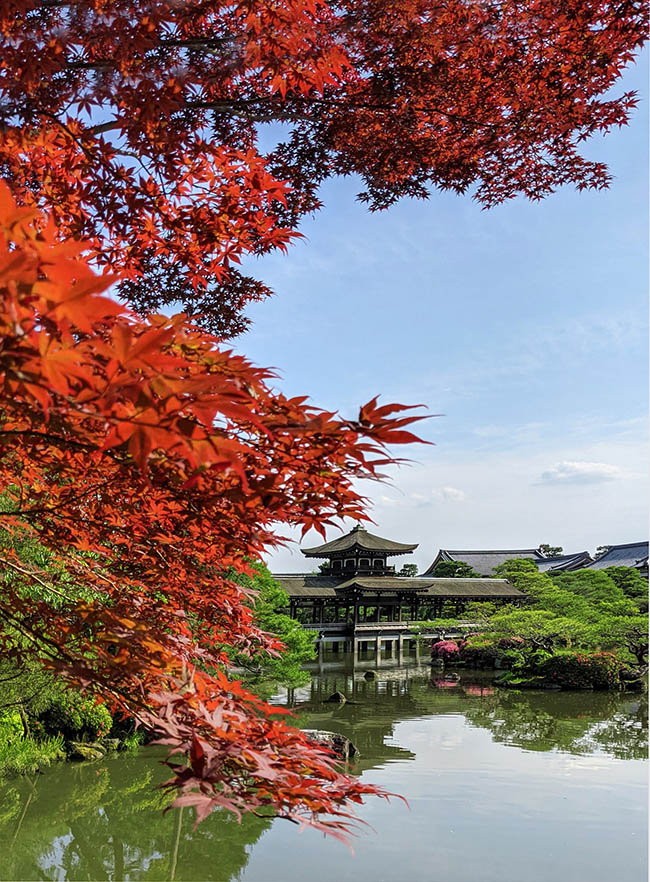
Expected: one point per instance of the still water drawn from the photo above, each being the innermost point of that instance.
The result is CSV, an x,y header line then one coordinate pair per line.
x,y
502,787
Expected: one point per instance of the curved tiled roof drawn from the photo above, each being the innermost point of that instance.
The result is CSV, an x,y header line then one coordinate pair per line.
x,y
359,538
633,554
564,562
308,585
484,562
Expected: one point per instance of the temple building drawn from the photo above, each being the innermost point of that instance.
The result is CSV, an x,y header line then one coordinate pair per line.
x,y
631,554
484,562
357,585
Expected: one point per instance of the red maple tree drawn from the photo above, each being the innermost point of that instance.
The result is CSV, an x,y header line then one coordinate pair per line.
x,y
152,464
148,459
136,123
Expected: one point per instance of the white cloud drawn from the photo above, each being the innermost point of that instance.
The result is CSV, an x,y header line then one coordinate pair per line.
x,y
506,504
449,494
572,472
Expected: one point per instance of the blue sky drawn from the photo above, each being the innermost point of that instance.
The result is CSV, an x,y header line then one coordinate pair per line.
x,y
525,325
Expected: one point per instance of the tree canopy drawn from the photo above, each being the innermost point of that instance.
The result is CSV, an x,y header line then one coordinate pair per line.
x,y
137,126
586,608
455,569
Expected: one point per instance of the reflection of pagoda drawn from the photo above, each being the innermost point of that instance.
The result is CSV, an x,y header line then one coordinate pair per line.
x,y
356,586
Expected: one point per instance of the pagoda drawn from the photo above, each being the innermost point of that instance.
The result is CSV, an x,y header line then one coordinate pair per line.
x,y
358,553
356,586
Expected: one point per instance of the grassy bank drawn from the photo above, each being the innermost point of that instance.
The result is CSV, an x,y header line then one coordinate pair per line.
x,y
25,755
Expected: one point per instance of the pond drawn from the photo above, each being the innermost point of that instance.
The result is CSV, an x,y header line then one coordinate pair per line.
x,y
502,786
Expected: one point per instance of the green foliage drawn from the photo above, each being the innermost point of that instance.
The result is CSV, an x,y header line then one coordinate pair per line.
x,y
409,569
628,632
287,667
549,550
24,756
74,717
480,650
599,590
510,569
133,742
481,610
577,670
629,580
572,616
455,569
513,659
540,627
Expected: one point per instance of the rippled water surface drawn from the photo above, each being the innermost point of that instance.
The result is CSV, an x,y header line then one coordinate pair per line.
x,y
504,786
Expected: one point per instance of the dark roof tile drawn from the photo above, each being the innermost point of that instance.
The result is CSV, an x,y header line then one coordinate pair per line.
x,y
359,538
307,585
632,554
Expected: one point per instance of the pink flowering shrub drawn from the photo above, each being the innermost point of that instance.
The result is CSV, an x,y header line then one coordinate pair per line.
x,y
447,650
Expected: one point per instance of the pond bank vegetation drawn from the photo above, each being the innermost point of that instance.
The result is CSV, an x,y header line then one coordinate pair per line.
x,y
586,629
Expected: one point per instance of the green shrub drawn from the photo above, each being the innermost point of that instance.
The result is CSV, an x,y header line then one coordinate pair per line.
x,y
134,741
25,756
537,657
480,651
74,717
580,670
514,659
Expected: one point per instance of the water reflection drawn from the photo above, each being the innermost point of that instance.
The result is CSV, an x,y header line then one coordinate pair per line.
x,y
104,820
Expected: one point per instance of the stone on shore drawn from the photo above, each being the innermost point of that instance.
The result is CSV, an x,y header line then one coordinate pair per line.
x,y
336,742
80,751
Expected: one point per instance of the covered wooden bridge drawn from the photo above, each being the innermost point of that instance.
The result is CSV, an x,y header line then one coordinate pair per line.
x,y
357,587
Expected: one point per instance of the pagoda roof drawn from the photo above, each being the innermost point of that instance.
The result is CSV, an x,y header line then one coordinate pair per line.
x,y
359,538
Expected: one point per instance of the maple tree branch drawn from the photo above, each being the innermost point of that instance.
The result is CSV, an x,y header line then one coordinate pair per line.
x,y
35,577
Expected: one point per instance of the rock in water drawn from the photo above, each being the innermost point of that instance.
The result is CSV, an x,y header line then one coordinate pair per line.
x,y
341,745
78,750
337,698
